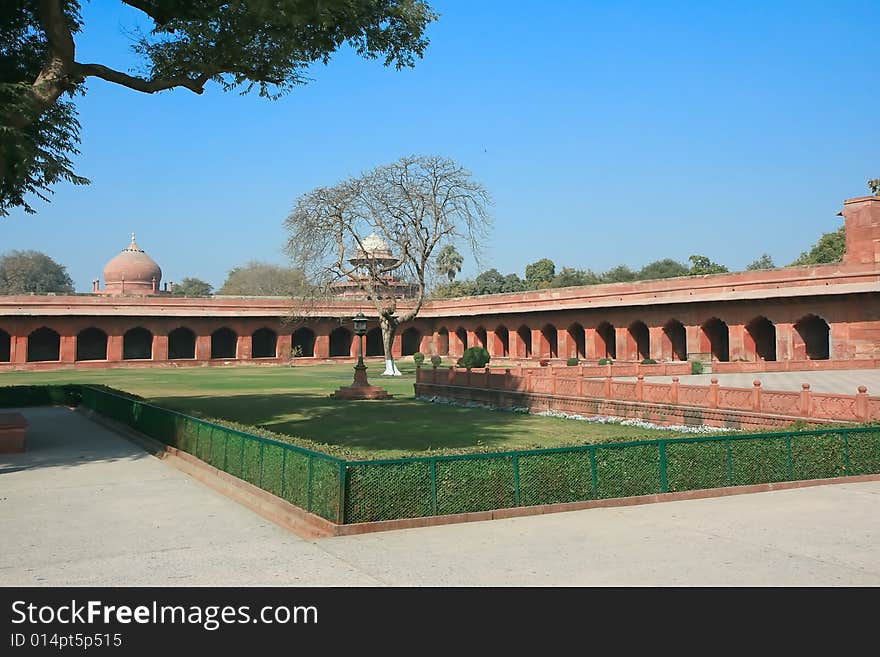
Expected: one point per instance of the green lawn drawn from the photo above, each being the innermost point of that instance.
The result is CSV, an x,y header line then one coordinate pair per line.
x,y
295,402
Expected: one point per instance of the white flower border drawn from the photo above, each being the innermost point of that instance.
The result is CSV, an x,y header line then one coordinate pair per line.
x,y
599,419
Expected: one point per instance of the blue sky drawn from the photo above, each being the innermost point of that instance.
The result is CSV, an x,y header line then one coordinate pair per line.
x,y
607,133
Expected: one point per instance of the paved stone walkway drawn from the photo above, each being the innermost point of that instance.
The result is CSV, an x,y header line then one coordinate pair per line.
x,y
841,381
86,507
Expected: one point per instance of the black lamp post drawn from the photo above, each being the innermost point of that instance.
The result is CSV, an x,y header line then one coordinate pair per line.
x,y
360,387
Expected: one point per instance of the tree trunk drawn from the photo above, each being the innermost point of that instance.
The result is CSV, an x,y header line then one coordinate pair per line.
x,y
389,327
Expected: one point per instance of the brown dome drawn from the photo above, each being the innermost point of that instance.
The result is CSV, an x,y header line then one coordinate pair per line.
x,y
134,267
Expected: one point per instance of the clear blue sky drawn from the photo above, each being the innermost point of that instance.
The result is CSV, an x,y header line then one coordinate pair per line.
x,y
607,133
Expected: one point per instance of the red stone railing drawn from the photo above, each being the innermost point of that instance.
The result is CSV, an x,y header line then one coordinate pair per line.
x,y
570,382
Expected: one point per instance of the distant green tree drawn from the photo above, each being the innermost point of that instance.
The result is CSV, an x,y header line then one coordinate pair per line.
x,y
874,186
569,277
32,272
540,274
513,283
764,262
192,287
454,290
829,249
449,262
702,265
489,282
666,268
619,274
263,279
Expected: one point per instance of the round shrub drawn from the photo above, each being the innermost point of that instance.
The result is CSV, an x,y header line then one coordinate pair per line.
x,y
605,361
572,362
418,358
649,361
475,357
436,360
696,367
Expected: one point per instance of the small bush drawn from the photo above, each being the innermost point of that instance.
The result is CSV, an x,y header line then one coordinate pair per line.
x,y
418,358
474,357
436,360
696,367
572,362
605,361
649,361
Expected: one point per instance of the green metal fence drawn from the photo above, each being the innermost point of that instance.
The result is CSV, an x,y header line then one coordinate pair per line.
x,y
368,491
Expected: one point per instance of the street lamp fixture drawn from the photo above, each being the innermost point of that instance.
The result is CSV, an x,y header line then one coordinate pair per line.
x,y
360,387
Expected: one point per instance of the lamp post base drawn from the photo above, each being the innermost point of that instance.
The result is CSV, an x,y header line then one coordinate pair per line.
x,y
361,388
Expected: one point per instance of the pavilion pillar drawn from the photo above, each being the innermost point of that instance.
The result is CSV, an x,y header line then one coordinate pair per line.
x,y
565,346
67,349
284,344
694,339
115,343
622,343
203,347
322,344
493,344
736,338
539,348
244,347
786,349
397,346
160,347
590,344
656,336
18,346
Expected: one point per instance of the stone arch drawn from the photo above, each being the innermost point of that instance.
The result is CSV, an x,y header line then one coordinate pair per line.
x,y
442,341
91,344
181,344
481,338
715,339
224,343
760,338
137,344
44,344
304,338
264,343
524,334
814,335
674,340
549,342
340,342
502,341
578,341
606,340
5,347
374,342
410,341
639,341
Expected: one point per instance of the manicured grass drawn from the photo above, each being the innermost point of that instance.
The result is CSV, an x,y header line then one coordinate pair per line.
x,y
295,401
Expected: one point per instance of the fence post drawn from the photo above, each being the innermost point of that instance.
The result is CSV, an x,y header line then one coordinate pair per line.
x,y
340,510
608,367
595,475
756,395
507,381
488,380
516,479
580,385
806,400
663,482
552,380
673,391
608,387
309,490
640,387
862,407
434,487
450,375
713,393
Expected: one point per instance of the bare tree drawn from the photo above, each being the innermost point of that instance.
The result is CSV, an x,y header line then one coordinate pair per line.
x,y
418,205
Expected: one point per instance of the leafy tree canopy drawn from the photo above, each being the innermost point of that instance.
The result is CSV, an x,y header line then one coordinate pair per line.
x,y
193,287
540,274
666,268
764,262
829,249
569,277
702,265
32,272
490,281
874,186
262,45
619,274
265,280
